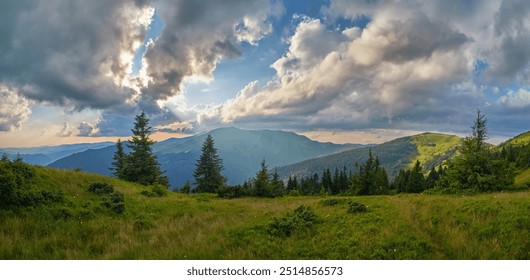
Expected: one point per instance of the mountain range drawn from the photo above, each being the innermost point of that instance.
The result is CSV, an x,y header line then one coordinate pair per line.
x,y
241,150
45,155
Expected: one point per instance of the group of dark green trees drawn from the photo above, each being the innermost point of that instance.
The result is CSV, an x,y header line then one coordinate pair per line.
x,y
477,168
370,178
141,164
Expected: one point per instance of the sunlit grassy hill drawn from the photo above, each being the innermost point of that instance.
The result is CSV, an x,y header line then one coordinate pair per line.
x,y
431,149
521,139
181,226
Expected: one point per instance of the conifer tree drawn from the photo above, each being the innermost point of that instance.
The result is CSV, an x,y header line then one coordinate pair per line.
x,y
292,184
142,164
208,177
416,181
119,161
326,182
262,180
475,169
372,178
276,185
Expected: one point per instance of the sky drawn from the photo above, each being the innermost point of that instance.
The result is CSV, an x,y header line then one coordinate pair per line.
x,y
337,70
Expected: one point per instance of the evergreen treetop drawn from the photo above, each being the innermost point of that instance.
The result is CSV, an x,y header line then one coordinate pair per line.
x,y
208,177
141,165
119,161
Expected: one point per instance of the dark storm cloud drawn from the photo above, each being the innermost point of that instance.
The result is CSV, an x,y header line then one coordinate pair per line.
x,y
68,53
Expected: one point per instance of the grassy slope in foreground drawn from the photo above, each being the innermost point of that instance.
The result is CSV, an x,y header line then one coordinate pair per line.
x,y
488,226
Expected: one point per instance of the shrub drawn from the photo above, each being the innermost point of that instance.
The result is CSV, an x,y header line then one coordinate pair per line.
x,y
356,207
147,193
233,192
157,191
115,202
17,188
100,188
332,201
294,193
303,217
141,223
62,214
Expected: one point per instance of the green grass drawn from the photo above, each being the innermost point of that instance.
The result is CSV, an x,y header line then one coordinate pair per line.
x,y
433,146
523,178
179,226
523,138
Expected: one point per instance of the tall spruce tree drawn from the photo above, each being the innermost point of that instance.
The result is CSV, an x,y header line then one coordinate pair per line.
x,y
261,184
119,161
142,164
208,177
416,180
475,169
372,178
277,188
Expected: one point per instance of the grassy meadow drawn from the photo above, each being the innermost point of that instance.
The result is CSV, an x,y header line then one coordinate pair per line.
x,y
181,226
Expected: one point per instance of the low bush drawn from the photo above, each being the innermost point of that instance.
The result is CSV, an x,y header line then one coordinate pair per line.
x,y
333,201
301,218
100,188
156,191
141,223
356,207
233,191
115,202
17,186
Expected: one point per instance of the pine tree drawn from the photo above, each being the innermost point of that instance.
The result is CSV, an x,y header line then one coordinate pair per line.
x,y
119,161
416,181
372,178
326,182
186,188
277,188
142,164
432,178
292,184
208,177
262,181
475,169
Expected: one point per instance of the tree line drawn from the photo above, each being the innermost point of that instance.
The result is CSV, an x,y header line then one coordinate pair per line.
x,y
477,168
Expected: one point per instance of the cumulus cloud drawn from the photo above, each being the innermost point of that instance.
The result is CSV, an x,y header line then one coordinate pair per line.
x,y
80,55
512,38
14,109
75,55
414,65
87,129
353,78
175,127
516,100
65,131
197,35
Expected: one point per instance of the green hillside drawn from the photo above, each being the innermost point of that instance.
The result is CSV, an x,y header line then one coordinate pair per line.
x,y
431,149
520,139
523,178
434,148
517,151
179,226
